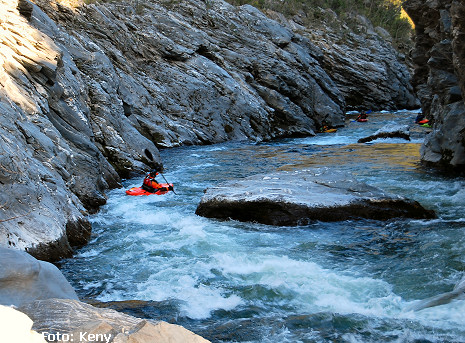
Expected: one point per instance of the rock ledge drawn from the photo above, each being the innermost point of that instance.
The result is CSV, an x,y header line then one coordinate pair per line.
x,y
299,198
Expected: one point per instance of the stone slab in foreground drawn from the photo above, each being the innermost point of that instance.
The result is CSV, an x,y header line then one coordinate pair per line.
x,y
67,320
298,198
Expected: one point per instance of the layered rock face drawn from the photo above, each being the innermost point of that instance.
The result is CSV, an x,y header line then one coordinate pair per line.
x,y
440,77
360,59
89,93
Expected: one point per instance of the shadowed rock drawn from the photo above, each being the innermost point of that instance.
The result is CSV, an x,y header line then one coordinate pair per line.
x,y
439,77
388,131
24,279
299,198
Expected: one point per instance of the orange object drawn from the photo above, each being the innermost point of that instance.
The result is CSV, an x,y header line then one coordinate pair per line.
x,y
139,191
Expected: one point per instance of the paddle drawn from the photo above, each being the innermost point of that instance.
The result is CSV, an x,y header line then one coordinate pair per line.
x,y
172,188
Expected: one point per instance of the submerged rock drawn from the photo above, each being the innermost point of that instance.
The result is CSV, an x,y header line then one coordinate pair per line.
x,y
24,279
458,293
388,131
77,320
298,198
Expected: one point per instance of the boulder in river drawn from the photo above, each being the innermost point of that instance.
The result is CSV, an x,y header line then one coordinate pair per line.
x,y
301,197
388,131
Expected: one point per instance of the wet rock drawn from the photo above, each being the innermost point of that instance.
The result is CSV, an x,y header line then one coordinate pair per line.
x,y
439,78
24,279
71,318
299,198
388,131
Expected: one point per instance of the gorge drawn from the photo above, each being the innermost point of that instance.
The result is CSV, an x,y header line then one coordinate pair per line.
x,y
93,95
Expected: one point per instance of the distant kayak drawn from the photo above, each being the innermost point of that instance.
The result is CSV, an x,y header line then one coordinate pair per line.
x,y
329,130
362,120
135,191
424,121
425,125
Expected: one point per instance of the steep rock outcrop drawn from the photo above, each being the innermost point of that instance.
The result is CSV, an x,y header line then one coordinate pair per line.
x,y
440,77
360,59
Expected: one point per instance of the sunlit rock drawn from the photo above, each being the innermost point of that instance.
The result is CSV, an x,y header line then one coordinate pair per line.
x,y
16,327
388,131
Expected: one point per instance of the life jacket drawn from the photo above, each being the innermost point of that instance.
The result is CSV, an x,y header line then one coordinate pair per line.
x,y
150,184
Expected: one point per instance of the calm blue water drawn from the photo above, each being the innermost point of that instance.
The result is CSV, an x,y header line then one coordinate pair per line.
x,y
327,282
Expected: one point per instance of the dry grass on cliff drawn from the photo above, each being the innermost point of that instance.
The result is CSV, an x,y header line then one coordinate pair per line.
x,y
387,14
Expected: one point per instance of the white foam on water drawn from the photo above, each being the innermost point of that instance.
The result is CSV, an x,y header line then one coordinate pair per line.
x,y
328,139
197,300
315,288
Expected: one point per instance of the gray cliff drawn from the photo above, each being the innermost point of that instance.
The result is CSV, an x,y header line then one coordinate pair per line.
x,y
440,77
89,93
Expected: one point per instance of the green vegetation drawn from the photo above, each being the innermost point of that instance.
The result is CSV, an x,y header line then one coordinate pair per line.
x,y
387,14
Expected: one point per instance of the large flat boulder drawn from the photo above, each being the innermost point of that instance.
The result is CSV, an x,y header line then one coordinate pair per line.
x,y
24,279
298,198
388,131
65,320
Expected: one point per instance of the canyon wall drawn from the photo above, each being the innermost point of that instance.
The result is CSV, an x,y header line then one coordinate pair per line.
x,y
439,77
89,93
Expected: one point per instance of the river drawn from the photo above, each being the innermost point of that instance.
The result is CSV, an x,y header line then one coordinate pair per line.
x,y
350,281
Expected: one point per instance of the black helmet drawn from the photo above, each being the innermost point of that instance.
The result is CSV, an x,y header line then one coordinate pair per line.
x,y
153,172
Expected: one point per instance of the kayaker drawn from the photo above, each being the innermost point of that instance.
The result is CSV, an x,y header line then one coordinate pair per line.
x,y
151,185
324,127
419,118
362,116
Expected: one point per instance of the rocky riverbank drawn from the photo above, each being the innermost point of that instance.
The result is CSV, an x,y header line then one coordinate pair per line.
x,y
91,92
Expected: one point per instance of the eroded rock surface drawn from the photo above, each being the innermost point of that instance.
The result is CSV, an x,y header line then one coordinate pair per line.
x,y
299,198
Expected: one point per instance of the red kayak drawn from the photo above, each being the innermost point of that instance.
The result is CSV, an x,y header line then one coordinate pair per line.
x,y
362,120
424,121
139,191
